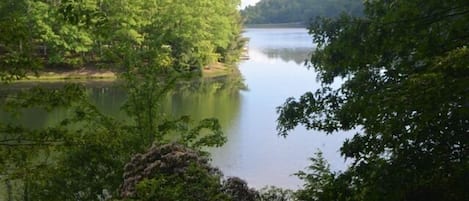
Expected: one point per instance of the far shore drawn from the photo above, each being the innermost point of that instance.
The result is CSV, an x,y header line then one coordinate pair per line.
x,y
106,75
278,25
81,74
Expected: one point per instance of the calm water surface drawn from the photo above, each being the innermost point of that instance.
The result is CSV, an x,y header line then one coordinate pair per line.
x,y
274,72
254,151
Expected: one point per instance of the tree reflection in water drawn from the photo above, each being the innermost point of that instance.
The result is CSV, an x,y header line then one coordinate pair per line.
x,y
85,161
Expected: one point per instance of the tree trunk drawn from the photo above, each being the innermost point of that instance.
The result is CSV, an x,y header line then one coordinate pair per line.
x,y
9,189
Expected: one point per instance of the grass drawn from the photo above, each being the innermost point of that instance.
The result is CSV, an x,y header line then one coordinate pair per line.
x,y
88,74
75,75
218,70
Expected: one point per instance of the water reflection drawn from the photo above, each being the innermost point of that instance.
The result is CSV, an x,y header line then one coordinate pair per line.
x,y
274,72
204,98
219,98
297,55
275,38
92,170
287,44
107,96
253,152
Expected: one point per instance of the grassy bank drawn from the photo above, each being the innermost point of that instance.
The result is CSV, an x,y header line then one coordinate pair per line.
x,y
218,70
91,74
79,74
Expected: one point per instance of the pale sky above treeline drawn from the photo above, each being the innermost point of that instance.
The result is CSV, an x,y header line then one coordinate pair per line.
x,y
244,3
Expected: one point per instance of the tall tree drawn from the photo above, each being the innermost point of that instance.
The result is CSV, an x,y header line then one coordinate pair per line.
x,y
17,42
77,33
405,71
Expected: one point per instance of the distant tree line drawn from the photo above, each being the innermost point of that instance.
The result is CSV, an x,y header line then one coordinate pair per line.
x,y
298,11
72,33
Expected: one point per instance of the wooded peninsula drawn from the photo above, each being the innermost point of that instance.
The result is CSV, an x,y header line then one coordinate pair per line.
x,y
68,35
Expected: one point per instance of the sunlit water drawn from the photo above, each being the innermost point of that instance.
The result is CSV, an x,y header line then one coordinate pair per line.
x,y
274,72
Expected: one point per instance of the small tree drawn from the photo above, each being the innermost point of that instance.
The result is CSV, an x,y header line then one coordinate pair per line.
x,y
317,178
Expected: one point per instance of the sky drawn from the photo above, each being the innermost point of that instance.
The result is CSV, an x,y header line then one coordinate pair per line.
x,y
244,3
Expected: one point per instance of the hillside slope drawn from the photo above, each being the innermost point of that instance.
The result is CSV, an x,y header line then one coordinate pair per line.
x,y
298,11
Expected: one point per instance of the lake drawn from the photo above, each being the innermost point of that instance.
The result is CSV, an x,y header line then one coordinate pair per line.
x,y
274,72
254,151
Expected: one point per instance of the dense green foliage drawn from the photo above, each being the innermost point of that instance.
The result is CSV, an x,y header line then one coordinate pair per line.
x,y
152,43
405,71
195,184
171,172
175,172
272,193
298,11
102,32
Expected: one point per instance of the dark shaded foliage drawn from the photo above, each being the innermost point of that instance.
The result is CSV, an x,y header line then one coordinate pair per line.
x,y
239,190
169,159
404,70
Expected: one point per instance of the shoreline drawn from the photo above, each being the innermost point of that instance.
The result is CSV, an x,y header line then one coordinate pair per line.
x,y
73,75
90,75
277,25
